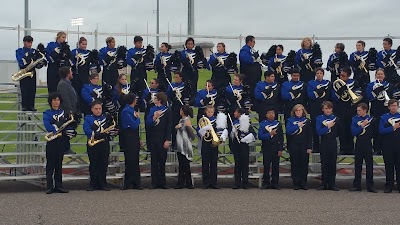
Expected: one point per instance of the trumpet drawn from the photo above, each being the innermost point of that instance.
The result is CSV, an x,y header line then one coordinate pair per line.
x,y
51,136
210,135
163,61
92,142
25,72
348,94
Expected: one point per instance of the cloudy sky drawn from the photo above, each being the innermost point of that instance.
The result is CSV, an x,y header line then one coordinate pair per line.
x,y
283,18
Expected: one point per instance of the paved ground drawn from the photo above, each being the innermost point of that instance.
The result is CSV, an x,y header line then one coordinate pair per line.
x,y
22,203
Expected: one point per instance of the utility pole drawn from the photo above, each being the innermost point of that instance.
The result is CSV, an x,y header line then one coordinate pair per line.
x,y
190,17
27,23
158,25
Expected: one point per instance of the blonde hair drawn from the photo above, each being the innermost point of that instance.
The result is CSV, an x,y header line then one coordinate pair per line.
x,y
304,40
297,107
60,34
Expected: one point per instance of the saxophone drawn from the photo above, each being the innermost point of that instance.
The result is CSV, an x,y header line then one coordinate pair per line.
x,y
92,142
51,136
25,72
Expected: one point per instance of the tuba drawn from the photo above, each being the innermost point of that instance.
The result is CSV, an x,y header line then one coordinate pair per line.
x,y
51,136
92,142
25,72
210,135
347,95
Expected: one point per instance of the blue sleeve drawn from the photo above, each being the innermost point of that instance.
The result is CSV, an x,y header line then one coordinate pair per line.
x,y
383,129
368,92
129,59
144,95
245,56
290,127
320,127
102,56
263,134
157,60
310,92
115,95
379,60
47,118
149,119
197,100
355,128
285,94
258,92
86,95
183,56
212,59
130,119
73,57
19,55
87,127
351,59
297,60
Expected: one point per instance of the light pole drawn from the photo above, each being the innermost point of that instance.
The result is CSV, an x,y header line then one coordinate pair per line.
x,y
77,22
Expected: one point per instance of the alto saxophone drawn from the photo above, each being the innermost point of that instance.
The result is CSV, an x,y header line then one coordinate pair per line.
x,y
51,136
25,72
92,142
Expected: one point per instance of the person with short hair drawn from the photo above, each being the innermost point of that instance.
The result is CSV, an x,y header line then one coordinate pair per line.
x,y
358,61
91,92
120,91
305,60
386,60
293,92
337,61
222,65
112,59
389,128
163,63
130,121
267,95
204,97
159,125
328,129
362,130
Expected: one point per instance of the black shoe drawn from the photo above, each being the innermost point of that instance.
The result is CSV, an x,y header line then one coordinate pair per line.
x,y
320,188
296,188
25,109
373,190
388,190
50,191
355,189
61,190
265,186
214,187
276,187
189,186
206,186
178,187
236,187
70,152
245,186
91,189
32,109
334,188
153,187
123,188
378,152
304,187
105,188
137,187
163,187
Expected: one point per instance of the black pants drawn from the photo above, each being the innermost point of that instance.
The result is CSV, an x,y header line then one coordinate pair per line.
x,y
299,163
52,78
209,160
253,75
391,157
54,158
175,120
121,134
28,92
328,154
270,159
98,158
110,76
378,139
220,80
315,111
363,151
184,175
131,153
241,156
345,137
158,159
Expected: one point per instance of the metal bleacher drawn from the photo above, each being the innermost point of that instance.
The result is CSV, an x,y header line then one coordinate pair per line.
x,y
23,157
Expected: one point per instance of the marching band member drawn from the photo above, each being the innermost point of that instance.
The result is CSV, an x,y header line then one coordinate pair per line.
x,y
130,121
162,64
25,56
304,60
119,93
361,129
70,99
235,94
278,65
112,59
222,64
209,152
378,93
267,95
179,95
318,91
53,119
139,59
386,60
95,127
58,54
271,135
327,128
344,109
299,135
359,64
159,123
184,138
148,95
389,128
337,61
249,64
192,60
242,135
91,92
205,97
293,92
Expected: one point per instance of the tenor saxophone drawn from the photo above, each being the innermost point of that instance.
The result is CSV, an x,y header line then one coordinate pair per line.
x,y
26,72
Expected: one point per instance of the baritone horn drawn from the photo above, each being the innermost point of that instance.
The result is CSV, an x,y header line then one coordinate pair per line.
x,y
348,94
209,135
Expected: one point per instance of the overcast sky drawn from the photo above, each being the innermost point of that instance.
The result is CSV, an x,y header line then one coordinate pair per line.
x,y
283,18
